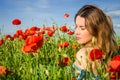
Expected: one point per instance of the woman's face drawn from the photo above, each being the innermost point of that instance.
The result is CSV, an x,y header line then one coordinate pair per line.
x,y
82,34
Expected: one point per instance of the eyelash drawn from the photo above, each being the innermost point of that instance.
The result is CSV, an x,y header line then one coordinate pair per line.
x,y
80,28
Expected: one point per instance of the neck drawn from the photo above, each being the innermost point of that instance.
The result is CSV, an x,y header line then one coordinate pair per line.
x,y
88,44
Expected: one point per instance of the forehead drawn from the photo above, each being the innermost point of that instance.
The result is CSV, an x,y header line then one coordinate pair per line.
x,y
80,21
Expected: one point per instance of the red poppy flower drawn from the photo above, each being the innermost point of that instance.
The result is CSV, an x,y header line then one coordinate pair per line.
x,y
16,22
116,58
20,35
33,43
115,67
70,32
9,37
30,31
65,61
2,70
8,72
30,48
33,39
66,44
35,28
1,41
50,33
18,32
66,15
60,45
64,29
40,40
96,54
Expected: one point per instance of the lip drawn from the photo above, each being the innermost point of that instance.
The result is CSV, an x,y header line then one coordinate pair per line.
x,y
78,38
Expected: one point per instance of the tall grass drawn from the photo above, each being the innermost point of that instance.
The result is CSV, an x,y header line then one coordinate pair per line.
x,y
41,66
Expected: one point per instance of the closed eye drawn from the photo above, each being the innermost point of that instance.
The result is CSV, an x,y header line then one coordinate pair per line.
x,y
81,27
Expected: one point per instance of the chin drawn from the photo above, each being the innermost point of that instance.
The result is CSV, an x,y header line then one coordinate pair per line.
x,y
82,43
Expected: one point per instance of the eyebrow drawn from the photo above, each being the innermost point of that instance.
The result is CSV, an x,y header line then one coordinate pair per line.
x,y
80,26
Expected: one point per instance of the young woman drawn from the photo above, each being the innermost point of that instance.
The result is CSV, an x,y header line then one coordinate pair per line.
x,y
94,31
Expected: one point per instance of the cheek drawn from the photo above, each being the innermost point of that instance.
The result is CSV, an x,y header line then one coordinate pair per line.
x,y
87,38
86,33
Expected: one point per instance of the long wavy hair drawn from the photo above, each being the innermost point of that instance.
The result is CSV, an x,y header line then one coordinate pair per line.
x,y
101,27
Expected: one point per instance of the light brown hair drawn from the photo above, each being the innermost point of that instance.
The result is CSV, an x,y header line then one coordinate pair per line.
x,y
101,27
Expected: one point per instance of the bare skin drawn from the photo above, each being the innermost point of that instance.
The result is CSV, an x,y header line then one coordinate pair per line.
x,y
85,39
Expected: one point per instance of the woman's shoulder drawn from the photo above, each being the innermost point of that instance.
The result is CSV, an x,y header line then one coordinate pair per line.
x,y
83,52
82,57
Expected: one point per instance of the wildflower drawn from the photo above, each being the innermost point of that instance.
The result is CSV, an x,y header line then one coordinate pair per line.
x,y
33,39
1,41
9,37
29,32
64,29
65,44
65,61
95,54
33,43
20,35
17,33
8,72
74,46
30,48
66,15
114,67
70,32
50,33
35,28
116,58
115,64
60,45
2,70
16,22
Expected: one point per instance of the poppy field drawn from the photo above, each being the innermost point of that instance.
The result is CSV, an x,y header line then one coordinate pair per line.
x,y
38,53
41,53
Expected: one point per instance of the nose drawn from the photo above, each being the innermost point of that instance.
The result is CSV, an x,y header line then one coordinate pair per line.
x,y
77,31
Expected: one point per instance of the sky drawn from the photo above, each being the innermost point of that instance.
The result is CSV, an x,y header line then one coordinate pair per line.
x,y
39,12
